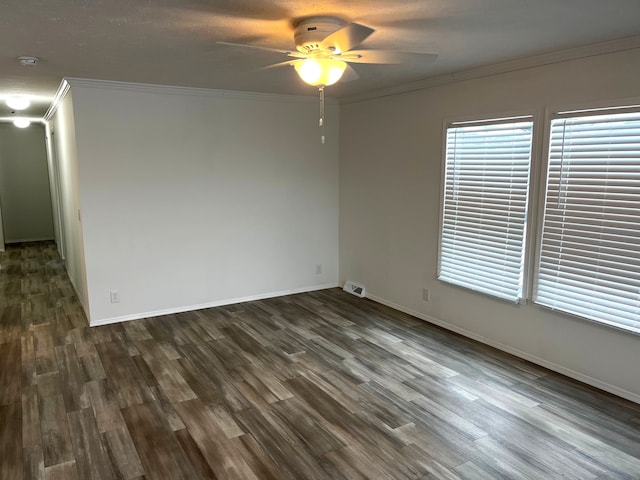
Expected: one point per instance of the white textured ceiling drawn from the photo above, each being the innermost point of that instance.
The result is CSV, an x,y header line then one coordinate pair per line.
x,y
173,42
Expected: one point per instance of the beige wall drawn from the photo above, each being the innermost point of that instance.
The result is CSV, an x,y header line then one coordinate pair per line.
x,y
24,184
390,181
192,198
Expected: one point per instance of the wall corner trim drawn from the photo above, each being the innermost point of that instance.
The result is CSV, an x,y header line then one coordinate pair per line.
x,y
63,89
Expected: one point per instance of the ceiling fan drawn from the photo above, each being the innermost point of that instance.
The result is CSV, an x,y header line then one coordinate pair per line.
x,y
325,46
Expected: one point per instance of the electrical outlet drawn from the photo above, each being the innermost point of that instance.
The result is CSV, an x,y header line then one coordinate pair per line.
x,y
319,269
115,296
426,295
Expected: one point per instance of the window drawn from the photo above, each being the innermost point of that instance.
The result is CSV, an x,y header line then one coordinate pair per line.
x,y
485,205
589,242
589,261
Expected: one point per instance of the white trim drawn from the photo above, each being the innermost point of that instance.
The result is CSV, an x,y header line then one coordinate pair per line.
x,y
217,303
490,121
531,115
63,89
594,382
626,43
500,116
54,182
530,239
200,92
595,106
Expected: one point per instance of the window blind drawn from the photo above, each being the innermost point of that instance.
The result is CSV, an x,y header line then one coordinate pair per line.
x,y
590,249
485,205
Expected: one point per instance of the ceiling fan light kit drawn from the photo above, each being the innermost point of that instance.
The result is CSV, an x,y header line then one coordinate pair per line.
x,y
320,72
324,46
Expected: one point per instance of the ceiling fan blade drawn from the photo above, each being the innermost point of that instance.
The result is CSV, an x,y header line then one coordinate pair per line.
x,y
346,38
281,64
290,53
387,57
349,74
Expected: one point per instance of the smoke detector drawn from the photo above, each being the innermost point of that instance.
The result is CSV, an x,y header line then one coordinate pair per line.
x,y
28,61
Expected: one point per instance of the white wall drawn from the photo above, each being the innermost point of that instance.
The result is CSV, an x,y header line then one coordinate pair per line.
x,y
192,197
24,184
64,138
390,181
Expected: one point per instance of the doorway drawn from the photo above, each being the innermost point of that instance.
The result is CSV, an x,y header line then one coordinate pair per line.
x,y
26,211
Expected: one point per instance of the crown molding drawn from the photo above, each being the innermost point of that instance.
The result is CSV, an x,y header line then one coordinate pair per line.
x,y
63,89
602,48
190,91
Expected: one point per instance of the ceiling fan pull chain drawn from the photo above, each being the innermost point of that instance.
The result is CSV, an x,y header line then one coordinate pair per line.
x,y
322,113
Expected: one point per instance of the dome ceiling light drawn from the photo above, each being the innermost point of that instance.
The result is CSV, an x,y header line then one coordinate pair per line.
x,y
17,102
21,122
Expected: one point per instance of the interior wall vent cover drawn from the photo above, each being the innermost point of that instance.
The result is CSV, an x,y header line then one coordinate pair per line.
x,y
354,288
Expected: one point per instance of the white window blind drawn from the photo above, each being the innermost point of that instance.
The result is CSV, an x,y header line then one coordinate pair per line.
x,y
590,250
485,206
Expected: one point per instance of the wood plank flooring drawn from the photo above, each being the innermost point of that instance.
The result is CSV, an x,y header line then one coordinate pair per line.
x,y
313,386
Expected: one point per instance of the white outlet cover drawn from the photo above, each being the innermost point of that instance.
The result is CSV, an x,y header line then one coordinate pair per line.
x,y
114,296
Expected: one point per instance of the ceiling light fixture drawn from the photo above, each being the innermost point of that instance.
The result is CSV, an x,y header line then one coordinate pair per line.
x,y
18,102
320,72
325,45
21,122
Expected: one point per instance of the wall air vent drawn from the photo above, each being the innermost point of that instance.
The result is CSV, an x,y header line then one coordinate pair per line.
x,y
354,288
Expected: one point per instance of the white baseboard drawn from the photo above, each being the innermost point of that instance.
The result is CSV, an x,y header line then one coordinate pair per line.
x,y
594,382
217,303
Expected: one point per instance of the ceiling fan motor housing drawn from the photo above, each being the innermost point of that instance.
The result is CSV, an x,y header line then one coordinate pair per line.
x,y
310,33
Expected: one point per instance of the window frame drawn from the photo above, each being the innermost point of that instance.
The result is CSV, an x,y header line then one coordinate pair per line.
x,y
550,113
530,227
541,117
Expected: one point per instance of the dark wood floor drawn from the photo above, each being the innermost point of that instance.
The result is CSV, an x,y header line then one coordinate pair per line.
x,y
314,386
